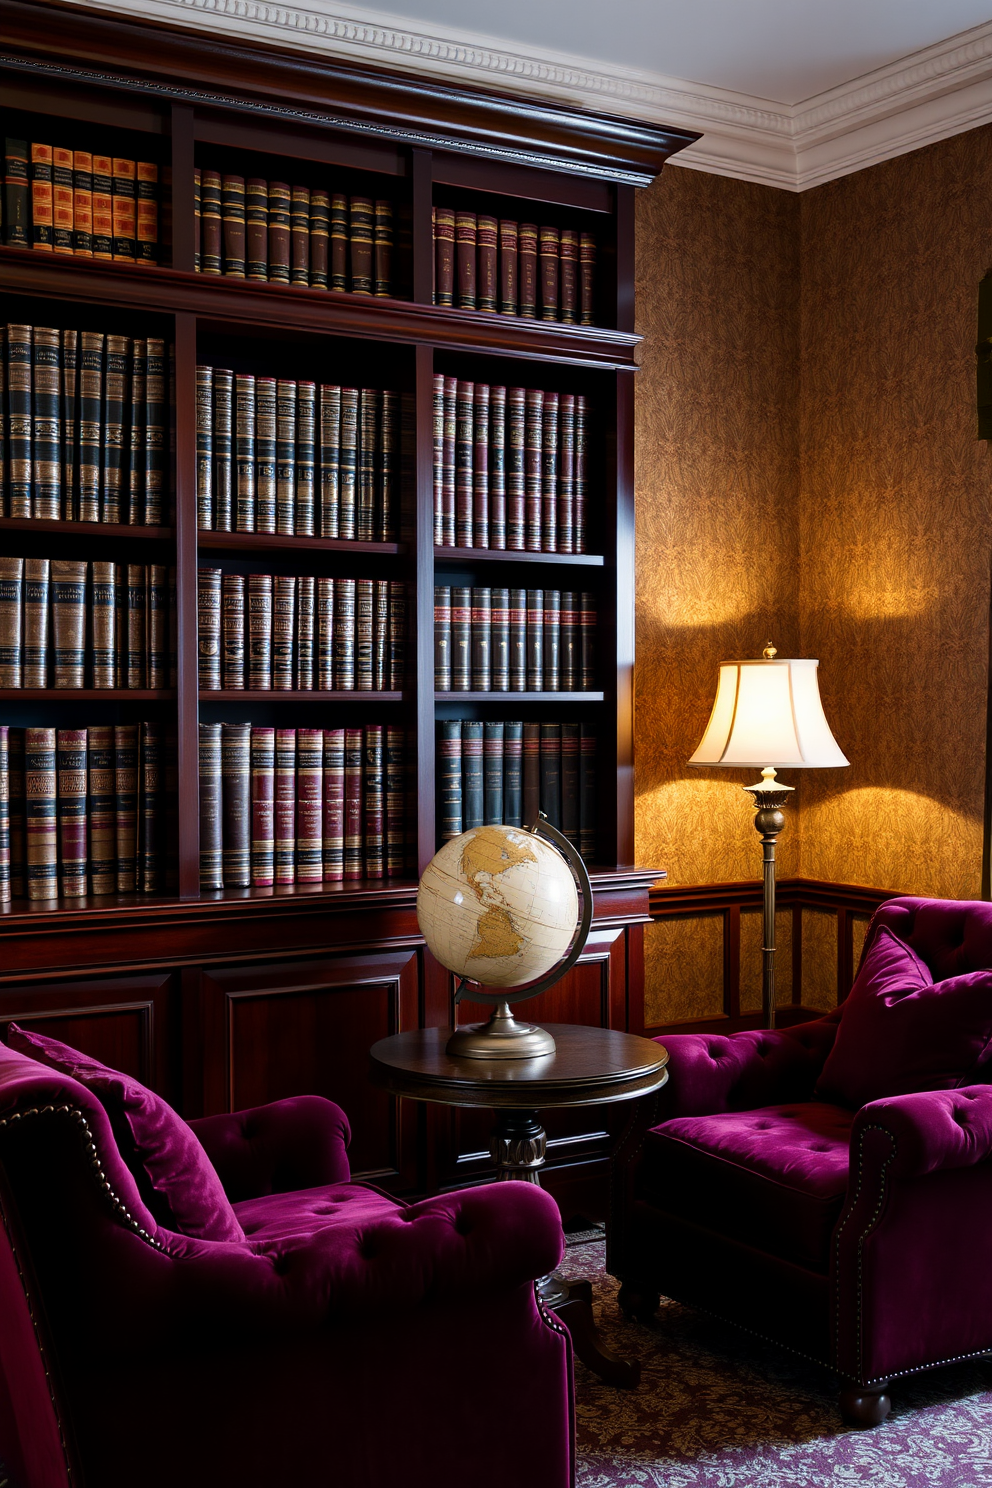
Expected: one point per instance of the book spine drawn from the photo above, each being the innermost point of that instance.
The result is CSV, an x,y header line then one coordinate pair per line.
x,y
508,235
464,474
136,433
549,474
82,203
570,765
492,774
442,638
41,822
223,477
361,231
500,640
120,625
265,454
481,639
211,223
449,755
353,821
552,640
68,581
137,604
90,424
126,805
157,641
527,269
320,238
568,253
325,634
438,433
486,265
513,740
285,456
11,621
283,631
103,609
146,216
232,208
260,632
472,774
152,805
587,641
306,454
571,667
395,790
235,765
518,640
579,476
369,404
263,766
309,805
348,462
257,228
232,639
198,220
102,817
333,824
46,502
397,635
305,617
279,231
535,640
124,210
533,449
461,639
299,235
211,818
353,634
16,195
157,432
339,241
466,233
516,441
551,772
374,811
4,439
36,608
41,197
62,213
330,455
103,207
244,450
497,468
587,279
115,383
285,807
5,886
444,256
19,419
548,268
204,448
387,471
208,625
448,495
383,246
69,453
380,636
565,515
587,793
18,823
480,467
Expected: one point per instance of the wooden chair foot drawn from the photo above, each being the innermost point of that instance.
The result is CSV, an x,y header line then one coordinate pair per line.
x,y
577,1316
867,1405
636,1305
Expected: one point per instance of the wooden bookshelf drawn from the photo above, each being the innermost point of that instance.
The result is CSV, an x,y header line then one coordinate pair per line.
x,y
188,987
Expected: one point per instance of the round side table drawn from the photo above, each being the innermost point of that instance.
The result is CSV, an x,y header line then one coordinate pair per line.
x,y
590,1066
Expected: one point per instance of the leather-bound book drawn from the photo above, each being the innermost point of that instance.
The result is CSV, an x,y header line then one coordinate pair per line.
x,y
244,451
332,836
397,635
587,279
233,632
492,773
518,640
90,423
449,784
442,638
587,641
299,225
579,477
444,256
513,773
466,235
571,663
198,220
306,455
309,805
82,203
283,631
286,456
124,210
461,639
395,769
263,776
36,610
320,238
19,424
344,634
62,217
473,792
330,455
552,640
374,803
16,195
325,635
486,263
499,645
353,818
527,270
101,793
388,467
208,625
223,478
103,609
587,793
286,805
211,223
11,621
533,457
361,233
133,504
211,815
464,474
115,385
305,617
126,805
204,448
380,636
156,431
509,233
515,459
137,605
235,770
565,510
568,257
480,467
535,640
260,632
41,821
257,228
551,772
348,463
151,808
383,257
370,403
69,453
339,241
146,216
157,644
5,890
549,474
570,766
279,231
448,496
18,808
68,581
232,207
265,454
120,624
364,611
103,206
437,408
41,198
46,500
482,600
497,468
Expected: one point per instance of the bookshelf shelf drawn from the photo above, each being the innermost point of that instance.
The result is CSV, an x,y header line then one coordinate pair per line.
x,y
254,694
87,694
519,697
114,532
261,542
496,555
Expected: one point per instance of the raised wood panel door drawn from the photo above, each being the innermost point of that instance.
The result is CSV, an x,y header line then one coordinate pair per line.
x,y
306,1028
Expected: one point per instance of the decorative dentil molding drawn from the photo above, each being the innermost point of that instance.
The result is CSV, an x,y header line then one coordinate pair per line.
x,y
927,96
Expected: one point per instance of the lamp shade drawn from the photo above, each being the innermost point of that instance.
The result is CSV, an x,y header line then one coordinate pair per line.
x,y
768,712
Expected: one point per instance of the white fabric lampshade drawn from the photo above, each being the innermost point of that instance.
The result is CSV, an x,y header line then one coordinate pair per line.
x,y
768,713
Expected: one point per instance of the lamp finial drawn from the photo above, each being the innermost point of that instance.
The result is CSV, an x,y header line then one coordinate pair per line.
x,y
769,652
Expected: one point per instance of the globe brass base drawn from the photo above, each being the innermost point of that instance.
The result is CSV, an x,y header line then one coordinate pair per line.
x,y
501,1038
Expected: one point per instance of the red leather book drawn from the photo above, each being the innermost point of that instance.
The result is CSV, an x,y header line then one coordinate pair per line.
x,y
579,475
285,807
527,270
486,287
448,496
444,255
72,812
82,203
533,446
565,519
497,468
146,214
516,400
465,254
568,255
309,805
438,430
508,236
549,474
333,825
263,767
62,197
480,468
587,279
464,445
124,210
353,820
375,803
548,249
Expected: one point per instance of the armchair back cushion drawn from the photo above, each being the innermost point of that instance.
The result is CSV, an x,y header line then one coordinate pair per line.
x,y
900,1032
175,1177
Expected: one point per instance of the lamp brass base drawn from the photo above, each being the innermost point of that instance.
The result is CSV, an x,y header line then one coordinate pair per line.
x,y
501,1038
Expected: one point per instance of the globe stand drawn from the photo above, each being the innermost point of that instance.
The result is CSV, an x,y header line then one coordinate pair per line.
x,y
502,1037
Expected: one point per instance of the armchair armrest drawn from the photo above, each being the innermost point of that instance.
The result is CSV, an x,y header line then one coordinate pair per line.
x,y
925,1132
709,1073
301,1142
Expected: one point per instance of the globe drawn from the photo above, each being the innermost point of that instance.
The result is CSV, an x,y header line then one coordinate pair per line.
x,y
498,905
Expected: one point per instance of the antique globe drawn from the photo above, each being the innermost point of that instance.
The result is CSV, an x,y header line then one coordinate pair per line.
x,y
498,907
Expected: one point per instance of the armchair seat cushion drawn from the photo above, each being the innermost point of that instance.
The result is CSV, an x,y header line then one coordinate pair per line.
x,y
283,1216
774,1178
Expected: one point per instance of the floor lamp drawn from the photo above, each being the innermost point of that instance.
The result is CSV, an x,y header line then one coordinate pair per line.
x,y
768,714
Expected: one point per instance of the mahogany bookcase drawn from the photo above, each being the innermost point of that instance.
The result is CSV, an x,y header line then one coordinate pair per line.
x,y
227,999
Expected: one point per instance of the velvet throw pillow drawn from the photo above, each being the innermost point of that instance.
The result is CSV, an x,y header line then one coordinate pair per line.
x,y
175,1177
901,1032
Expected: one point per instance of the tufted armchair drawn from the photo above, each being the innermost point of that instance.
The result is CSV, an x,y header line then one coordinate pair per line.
x,y
347,1339
855,1235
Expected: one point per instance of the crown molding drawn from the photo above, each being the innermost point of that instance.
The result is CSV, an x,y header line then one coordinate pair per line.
x,y
927,96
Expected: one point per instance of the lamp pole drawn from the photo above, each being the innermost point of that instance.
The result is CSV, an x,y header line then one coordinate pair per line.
x,y
769,797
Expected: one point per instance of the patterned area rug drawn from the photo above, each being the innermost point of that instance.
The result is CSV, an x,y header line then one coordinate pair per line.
x,y
718,1409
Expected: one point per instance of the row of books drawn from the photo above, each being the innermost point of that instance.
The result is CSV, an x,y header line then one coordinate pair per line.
x,y
274,455
509,468
515,268
294,633
505,773
291,234
301,806
75,202
86,811
67,623
83,425
514,640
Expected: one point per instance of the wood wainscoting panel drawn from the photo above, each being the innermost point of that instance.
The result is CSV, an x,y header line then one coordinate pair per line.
x,y
684,968
820,988
751,938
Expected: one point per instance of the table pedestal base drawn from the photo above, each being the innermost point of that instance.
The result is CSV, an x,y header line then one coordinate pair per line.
x,y
518,1148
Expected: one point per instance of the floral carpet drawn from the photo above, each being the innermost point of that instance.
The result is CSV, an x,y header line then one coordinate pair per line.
x,y
718,1409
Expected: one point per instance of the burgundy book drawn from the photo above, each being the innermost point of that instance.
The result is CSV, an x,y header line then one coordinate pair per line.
x,y
548,248
72,812
257,228
444,256
339,241
527,270
285,807
299,234
309,805
263,765
437,408
549,474
533,446
508,235
333,825
566,474
497,468
465,254
587,279
383,275
374,812
486,276
448,499
516,400
233,215
353,824
464,445
480,468
579,476
568,256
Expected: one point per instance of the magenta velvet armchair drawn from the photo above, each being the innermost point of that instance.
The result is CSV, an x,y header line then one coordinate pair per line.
x,y
346,1339
855,1234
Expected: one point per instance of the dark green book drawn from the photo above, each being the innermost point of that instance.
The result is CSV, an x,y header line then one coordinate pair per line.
x,y
492,774
473,788
513,737
449,766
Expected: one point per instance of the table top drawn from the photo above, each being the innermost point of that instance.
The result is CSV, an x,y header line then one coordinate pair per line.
x,y
590,1066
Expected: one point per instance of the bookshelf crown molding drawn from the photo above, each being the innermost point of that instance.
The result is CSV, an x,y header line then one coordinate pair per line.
x,y
917,100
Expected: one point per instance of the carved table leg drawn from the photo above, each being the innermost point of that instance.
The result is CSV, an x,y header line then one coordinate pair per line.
x,y
518,1150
